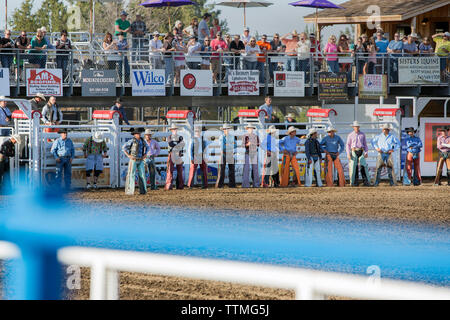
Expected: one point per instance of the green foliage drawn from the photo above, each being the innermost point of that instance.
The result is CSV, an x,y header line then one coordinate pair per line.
x,y
22,19
52,14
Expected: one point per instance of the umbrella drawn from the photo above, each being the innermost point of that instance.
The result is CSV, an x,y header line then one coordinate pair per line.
x,y
166,3
318,4
245,4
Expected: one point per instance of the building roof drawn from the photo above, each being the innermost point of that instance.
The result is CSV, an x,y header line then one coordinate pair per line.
x,y
391,10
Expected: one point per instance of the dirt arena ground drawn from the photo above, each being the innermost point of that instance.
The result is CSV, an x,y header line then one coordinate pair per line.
x,y
425,204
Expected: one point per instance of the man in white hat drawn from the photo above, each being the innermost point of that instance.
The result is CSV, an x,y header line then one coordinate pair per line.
x,y
153,150
135,149
198,147
94,149
228,145
5,117
38,98
313,153
288,145
176,145
7,150
333,146
270,167
357,153
250,141
385,143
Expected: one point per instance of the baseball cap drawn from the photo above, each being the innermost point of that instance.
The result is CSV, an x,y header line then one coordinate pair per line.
x,y
156,33
447,34
246,29
124,13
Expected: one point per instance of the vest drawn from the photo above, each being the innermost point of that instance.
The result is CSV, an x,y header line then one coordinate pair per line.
x,y
134,149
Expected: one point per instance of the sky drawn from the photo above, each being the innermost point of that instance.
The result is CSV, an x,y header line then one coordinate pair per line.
x,y
280,17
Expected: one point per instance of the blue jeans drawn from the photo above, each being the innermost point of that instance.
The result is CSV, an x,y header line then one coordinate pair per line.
x,y
262,72
168,61
63,167
393,77
133,168
292,64
62,62
150,162
443,63
333,66
250,65
6,60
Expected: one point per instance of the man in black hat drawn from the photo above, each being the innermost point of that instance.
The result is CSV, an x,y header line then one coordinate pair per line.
x,y
413,148
135,149
63,151
118,106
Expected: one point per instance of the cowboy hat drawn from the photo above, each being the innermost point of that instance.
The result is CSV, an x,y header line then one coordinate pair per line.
x,y
97,137
290,115
62,130
173,126
386,126
331,128
294,33
355,124
312,131
148,131
225,126
2,97
40,96
17,138
410,129
272,129
291,129
249,125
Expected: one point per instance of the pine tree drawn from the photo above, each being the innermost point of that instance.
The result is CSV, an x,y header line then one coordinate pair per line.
x,y
53,15
22,19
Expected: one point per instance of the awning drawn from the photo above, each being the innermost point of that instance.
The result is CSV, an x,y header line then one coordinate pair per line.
x,y
387,112
321,113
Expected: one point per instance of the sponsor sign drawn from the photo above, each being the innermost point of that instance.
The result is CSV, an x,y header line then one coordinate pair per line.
x,y
373,86
4,82
243,83
196,83
419,70
289,84
431,152
98,83
45,81
148,82
332,86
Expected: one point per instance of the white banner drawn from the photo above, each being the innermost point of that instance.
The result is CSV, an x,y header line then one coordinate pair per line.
x,y
4,82
243,83
45,81
419,70
148,82
289,84
196,83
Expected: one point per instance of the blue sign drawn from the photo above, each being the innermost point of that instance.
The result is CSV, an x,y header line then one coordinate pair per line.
x,y
148,82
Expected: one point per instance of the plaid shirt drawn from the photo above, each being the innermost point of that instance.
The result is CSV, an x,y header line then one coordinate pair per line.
x,y
138,26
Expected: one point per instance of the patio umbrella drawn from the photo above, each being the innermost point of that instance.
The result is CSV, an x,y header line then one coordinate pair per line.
x,y
245,4
318,4
166,3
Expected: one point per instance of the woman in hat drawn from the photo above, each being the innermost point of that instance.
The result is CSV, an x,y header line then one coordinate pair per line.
x,y
270,167
333,145
288,145
176,145
153,150
135,149
251,143
313,153
413,148
94,150
228,146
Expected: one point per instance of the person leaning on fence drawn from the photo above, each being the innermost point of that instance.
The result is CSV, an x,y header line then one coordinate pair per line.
x,y
153,150
333,146
443,146
110,49
155,47
168,50
385,143
288,145
38,56
5,118
118,106
135,149
228,145
95,150
6,52
413,148
176,145
197,153
51,115
63,151
7,150
123,65
270,166
250,141
122,25
442,41
63,47
313,153
357,153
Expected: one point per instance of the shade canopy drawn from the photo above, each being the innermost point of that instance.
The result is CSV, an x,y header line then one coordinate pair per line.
x,y
318,4
245,4
166,3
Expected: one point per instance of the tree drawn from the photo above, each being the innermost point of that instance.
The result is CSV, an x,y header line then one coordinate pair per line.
x,y
53,15
22,19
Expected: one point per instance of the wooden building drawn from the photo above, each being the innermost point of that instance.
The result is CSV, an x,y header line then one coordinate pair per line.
x,y
424,17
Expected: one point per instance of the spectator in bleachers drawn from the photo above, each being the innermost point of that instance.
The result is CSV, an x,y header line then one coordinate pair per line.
x,y
275,46
331,51
237,47
303,53
442,49
5,118
425,47
315,51
219,46
168,50
38,56
382,43
192,29
6,52
110,47
265,47
49,42
155,48
344,50
138,29
369,67
206,54
246,36
203,29
180,60
395,49
178,29
214,29
360,52
291,49
251,50
410,47
63,45
122,25
124,67
193,47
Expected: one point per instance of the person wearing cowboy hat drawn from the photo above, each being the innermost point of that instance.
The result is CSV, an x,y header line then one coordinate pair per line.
x,y
198,147
63,151
94,149
39,97
176,145
333,146
413,148
385,143
357,153
443,146
289,118
5,117
313,153
118,106
228,145
291,50
250,141
7,150
270,167
135,149
288,145
153,150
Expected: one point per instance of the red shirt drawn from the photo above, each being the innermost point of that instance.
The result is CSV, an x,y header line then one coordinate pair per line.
x,y
218,44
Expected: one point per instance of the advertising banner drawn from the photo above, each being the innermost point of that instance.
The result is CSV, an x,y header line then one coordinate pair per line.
x,y
98,83
148,82
196,83
419,70
373,86
45,81
332,86
289,84
243,83
4,82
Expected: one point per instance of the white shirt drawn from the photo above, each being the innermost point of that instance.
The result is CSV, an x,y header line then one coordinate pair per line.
x,y
303,49
202,26
246,39
153,46
193,48
251,52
